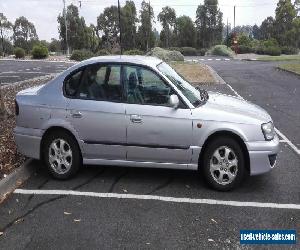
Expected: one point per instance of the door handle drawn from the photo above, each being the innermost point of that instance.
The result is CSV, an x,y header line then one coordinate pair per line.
x,y
136,119
76,114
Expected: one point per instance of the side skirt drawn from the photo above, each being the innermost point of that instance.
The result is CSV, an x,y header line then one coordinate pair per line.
x,y
125,163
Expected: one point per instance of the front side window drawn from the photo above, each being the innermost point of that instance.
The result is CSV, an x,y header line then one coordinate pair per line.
x,y
96,82
142,86
192,94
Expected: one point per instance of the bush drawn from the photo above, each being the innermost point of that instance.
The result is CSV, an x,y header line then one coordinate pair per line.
x,y
188,51
102,52
221,50
134,52
80,55
289,50
243,49
201,52
273,51
39,52
19,53
244,40
166,55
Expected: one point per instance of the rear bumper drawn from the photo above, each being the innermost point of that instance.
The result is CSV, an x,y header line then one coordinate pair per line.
x,y
262,155
28,141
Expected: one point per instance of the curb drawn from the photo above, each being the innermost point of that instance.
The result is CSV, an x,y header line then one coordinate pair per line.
x,y
289,71
15,179
218,79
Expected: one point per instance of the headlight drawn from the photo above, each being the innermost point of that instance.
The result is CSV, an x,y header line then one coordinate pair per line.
x,y
268,131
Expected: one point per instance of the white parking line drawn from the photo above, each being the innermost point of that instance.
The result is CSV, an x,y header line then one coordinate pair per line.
x,y
285,139
218,59
160,198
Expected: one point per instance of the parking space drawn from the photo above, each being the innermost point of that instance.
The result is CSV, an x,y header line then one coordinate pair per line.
x,y
114,207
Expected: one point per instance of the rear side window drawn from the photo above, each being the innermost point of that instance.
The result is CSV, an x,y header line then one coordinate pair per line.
x,y
72,84
101,82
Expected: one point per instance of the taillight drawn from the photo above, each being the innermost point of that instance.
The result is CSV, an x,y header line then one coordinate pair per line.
x,y
16,108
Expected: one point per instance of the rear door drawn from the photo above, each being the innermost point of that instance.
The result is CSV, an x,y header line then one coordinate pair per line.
x,y
97,113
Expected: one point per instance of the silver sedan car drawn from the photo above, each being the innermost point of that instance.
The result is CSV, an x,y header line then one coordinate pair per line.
x,y
137,111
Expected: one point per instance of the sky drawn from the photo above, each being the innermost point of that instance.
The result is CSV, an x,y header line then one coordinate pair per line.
x,y
43,13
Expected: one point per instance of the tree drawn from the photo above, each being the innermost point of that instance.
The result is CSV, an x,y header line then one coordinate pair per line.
x,y
266,28
256,32
24,33
185,31
285,14
244,29
209,24
108,26
76,28
55,45
167,18
92,41
5,30
128,24
146,37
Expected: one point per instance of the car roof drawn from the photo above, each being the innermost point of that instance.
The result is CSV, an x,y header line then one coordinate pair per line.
x,y
141,60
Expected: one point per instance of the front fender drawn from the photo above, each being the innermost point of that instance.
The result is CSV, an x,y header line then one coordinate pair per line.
x,y
203,129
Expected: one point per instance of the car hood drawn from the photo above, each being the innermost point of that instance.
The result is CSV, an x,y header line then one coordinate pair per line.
x,y
232,109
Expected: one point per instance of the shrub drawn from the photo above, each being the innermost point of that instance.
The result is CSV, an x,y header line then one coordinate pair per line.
x,y
221,50
243,49
188,51
201,52
80,55
133,52
289,50
39,51
166,55
102,52
273,51
244,40
19,53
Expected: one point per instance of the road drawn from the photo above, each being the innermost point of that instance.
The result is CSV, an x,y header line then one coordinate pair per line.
x,y
81,220
261,83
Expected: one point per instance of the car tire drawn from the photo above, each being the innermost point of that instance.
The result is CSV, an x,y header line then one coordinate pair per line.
x,y
223,164
61,155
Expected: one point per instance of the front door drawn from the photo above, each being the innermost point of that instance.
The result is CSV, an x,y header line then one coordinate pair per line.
x,y
97,113
156,132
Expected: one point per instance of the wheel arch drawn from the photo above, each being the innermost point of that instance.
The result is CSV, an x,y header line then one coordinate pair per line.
x,y
225,133
54,129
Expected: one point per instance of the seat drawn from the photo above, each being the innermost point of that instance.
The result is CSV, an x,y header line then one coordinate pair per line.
x,y
134,94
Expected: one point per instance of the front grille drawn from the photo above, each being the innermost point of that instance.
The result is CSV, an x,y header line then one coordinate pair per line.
x,y
272,159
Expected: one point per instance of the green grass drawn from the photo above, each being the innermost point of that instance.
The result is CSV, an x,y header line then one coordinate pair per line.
x,y
280,58
295,68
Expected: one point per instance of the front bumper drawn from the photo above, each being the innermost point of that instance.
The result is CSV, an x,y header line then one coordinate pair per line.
x,y
28,141
262,155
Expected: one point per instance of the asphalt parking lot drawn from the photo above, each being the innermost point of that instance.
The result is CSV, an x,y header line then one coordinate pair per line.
x,y
95,209
12,71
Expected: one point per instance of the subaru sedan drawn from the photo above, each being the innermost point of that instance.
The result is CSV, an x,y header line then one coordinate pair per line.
x,y
138,111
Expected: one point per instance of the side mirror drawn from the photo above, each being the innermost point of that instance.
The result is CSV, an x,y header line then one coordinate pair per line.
x,y
174,101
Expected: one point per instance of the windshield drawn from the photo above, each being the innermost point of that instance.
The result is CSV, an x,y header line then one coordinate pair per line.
x,y
192,94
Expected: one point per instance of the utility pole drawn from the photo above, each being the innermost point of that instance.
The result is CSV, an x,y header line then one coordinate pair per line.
x,y
234,19
119,10
227,38
65,15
